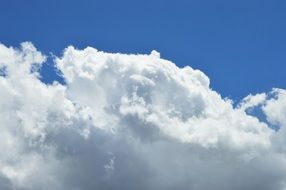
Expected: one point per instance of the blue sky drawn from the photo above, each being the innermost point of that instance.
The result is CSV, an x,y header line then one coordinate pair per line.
x,y
240,45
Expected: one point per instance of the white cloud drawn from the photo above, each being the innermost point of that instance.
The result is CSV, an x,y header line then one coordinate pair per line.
x,y
275,108
131,122
251,101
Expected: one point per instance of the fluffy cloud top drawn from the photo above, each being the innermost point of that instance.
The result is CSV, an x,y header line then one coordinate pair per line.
x,y
132,122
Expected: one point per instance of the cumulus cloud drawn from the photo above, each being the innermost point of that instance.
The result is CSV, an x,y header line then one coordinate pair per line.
x,y
131,122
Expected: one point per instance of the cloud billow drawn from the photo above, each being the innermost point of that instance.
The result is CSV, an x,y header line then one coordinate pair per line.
x,y
132,122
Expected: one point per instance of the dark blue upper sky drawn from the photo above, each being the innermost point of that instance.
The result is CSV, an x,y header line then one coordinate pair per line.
x,y
239,44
